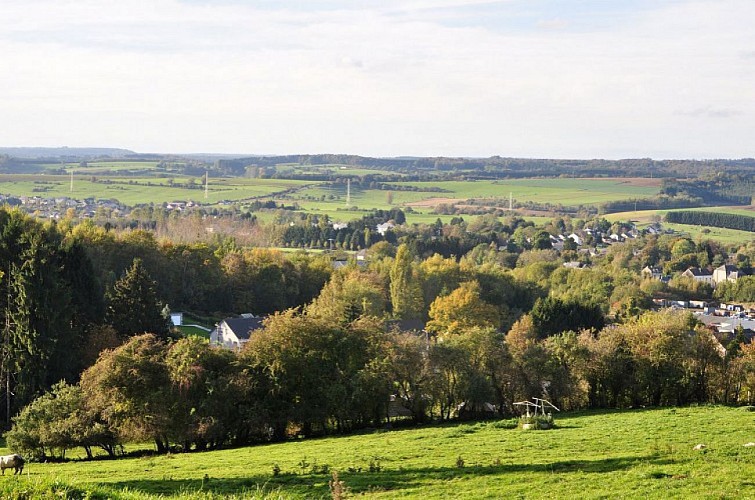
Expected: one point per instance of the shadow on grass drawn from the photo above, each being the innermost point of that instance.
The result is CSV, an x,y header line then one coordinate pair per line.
x,y
316,485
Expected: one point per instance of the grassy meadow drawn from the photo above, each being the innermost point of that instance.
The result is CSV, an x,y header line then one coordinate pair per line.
x,y
645,453
331,200
140,190
645,217
319,198
565,191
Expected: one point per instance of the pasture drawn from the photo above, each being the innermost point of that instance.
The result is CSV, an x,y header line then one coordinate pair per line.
x,y
645,453
143,190
98,167
645,217
319,198
110,180
564,191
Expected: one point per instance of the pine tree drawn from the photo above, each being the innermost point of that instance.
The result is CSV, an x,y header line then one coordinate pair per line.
x,y
36,308
132,304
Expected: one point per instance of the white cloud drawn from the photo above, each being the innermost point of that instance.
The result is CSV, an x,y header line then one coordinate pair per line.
x,y
161,75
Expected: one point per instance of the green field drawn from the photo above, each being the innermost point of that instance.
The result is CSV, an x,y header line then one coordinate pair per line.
x,y
91,182
564,191
644,453
645,217
97,167
139,190
712,233
188,330
568,192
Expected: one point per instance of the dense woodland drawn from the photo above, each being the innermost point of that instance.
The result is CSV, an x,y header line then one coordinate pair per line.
x,y
505,320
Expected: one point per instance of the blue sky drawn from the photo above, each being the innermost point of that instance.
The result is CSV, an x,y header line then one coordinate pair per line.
x,y
537,78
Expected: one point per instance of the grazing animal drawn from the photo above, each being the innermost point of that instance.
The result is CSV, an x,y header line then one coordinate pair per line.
x,y
14,461
699,447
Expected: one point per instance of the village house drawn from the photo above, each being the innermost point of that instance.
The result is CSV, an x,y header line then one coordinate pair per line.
x,y
726,272
652,272
383,228
699,274
576,238
233,333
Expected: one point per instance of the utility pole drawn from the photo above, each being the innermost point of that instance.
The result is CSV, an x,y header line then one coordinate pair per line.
x,y
72,180
348,192
206,183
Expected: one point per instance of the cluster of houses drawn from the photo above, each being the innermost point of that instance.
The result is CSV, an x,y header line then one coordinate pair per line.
x,y
179,206
557,242
721,274
724,320
56,208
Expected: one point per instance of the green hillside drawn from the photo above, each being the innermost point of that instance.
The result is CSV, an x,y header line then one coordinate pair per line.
x,y
614,454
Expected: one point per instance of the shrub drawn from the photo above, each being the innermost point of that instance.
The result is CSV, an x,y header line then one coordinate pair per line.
x,y
56,422
537,422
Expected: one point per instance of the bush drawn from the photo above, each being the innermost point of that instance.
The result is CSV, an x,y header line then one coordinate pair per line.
x,y
56,422
537,422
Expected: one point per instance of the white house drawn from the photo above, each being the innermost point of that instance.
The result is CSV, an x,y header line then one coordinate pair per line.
x,y
576,238
652,272
382,228
699,274
726,273
233,333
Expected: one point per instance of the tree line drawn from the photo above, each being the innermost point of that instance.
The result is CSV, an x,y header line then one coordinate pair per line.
x,y
306,374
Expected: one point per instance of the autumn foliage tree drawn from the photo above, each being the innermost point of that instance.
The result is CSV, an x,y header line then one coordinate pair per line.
x,y
461,310
130,388
406,293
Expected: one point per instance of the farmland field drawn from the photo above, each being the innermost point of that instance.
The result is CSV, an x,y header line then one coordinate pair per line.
x,y
138,190
567,192
634,453
329,169
645,217
319,197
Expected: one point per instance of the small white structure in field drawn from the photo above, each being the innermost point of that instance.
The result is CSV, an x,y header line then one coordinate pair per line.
x,y
538,419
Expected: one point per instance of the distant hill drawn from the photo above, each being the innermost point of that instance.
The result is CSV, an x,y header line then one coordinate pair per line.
x,y
65,152
497,166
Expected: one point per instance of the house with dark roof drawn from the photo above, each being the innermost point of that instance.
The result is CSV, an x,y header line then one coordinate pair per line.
x,y
233,333
699,274
652,272
406,325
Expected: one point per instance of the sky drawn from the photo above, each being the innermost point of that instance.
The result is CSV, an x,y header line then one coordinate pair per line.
x,y
516,78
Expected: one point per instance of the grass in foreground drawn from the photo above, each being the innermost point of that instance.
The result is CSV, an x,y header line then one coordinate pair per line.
x,y
639,453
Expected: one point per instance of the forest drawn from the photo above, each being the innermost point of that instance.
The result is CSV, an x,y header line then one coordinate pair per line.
x,y
90,359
